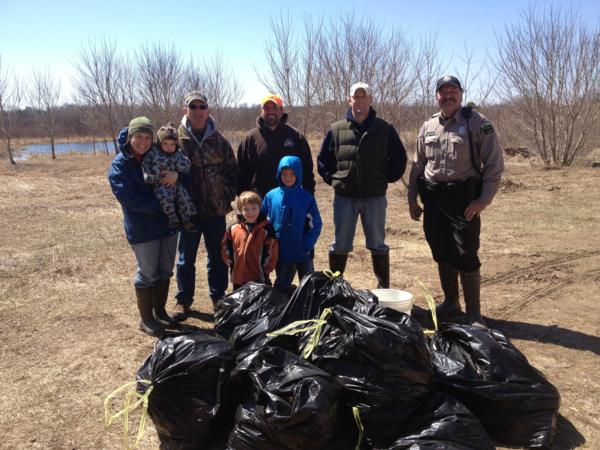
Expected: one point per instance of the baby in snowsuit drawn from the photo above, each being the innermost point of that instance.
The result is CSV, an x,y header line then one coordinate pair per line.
x,y
166,155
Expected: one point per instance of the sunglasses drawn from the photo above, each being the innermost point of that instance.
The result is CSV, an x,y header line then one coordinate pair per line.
x,y
202,106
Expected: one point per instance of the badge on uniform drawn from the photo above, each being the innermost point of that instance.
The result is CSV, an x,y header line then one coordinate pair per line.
x,y
487,128
461,131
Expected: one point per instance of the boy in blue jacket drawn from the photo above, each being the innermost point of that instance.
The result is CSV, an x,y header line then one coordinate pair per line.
x,y
294,214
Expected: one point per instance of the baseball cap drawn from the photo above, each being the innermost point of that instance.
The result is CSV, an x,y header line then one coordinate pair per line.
x,y
272,98
360,85
447,79
195,95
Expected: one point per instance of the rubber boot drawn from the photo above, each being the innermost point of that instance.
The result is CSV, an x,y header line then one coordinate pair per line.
x,y
449,282
144,302
471,284
337,262
381,268
159,301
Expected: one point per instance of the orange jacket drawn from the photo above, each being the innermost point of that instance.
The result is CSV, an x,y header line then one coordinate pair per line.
x,y
253,254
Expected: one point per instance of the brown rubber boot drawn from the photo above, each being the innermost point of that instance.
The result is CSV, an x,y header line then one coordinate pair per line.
x,y
449,282
337,262
381,268
159,301
471,284
144,302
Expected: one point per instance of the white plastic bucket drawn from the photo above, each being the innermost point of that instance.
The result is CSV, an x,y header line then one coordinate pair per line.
x,y
395,299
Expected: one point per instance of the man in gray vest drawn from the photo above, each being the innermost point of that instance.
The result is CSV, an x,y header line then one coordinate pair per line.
x,y
456,170
360,155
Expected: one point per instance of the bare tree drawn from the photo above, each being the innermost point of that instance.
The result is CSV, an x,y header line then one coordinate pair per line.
x,y
222,88
309,76
292,62
282,60
43,96
99,83
429,68
11,96
476,78
396,79
160,74
127,105
550,67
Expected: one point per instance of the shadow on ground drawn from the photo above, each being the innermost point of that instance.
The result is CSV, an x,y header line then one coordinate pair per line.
x,y
206,317
548,334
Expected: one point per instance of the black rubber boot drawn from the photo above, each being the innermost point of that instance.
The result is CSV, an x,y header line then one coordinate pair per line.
x,y
159,301
381,268
449,282
471,284
337,262
144,302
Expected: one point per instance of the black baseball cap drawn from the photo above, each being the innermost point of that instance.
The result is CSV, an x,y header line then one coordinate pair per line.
x,y
447,79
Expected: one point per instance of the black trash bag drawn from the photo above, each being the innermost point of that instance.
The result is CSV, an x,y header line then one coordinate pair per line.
x,y
513,400
441,422
374,309
318,291
286,403
252,335
189,373
383,366
251,302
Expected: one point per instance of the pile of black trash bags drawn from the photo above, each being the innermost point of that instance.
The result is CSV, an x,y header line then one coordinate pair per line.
x,y
348,374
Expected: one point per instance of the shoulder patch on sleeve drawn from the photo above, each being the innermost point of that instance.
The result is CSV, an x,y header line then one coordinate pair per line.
x,y
487,128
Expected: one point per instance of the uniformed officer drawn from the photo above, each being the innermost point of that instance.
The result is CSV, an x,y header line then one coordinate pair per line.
x,y
456,171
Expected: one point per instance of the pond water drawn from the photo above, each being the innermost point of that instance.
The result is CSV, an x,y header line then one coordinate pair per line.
x,y
82,147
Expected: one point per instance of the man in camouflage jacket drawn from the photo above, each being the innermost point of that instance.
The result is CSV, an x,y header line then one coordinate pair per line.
x,y
213,187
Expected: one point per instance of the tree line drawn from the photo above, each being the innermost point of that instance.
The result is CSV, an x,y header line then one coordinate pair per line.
x,y
541,87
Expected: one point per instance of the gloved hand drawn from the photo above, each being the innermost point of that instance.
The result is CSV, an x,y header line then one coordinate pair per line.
x,y
122,139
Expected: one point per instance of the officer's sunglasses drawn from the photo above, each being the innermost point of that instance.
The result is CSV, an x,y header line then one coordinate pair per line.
x,y
201,106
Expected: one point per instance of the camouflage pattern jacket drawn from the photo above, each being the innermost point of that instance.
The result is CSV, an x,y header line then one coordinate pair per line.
x,y
214,169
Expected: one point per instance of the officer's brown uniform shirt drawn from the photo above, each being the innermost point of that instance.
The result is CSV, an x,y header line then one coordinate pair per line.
x,y
443,153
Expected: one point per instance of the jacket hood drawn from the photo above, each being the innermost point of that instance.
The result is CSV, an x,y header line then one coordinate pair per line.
x,y
361,126
211,126
294,163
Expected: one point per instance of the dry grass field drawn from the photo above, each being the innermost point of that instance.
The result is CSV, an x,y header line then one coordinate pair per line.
x,y
69,323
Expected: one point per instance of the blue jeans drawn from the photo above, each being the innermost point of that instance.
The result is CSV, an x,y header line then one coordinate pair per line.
x,y
155,261
372,216
285,273
213,230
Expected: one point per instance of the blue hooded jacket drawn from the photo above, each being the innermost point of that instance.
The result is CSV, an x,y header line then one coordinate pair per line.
x,y
143,216
294,215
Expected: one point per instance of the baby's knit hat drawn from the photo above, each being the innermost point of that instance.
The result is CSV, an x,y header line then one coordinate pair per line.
x,y
165,132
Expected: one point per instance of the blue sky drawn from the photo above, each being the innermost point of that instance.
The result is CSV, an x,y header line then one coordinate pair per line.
x,y
49,34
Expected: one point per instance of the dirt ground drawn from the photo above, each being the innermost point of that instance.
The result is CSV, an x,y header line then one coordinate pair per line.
x,y
69,322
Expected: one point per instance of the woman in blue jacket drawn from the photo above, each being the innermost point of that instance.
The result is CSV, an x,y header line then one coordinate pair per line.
x,y
146,226
295,217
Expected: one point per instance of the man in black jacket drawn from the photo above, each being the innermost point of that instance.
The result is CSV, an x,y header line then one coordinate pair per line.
x,y
360,155
263,147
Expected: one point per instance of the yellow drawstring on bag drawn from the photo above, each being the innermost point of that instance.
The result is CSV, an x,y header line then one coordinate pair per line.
x,y
131,395
431,303
359,425
314,325
332,274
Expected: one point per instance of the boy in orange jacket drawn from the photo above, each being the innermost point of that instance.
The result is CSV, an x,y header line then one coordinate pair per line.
x,y
250,248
